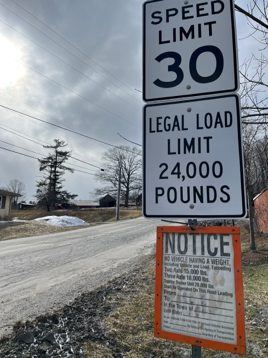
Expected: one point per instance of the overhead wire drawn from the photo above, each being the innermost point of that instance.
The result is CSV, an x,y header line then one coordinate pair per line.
x,y
69,139
77,94
66,63
66,49
82,161
66,129
55,81
7,130
14,132
28,150
29,156
70,43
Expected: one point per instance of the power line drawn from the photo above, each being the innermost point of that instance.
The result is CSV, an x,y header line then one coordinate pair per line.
x,y
129,140
51,129
73,46
13,151
77,94
66,129
29,156
82,161
66,49
79,160
79,166
20,135
66,63
28,150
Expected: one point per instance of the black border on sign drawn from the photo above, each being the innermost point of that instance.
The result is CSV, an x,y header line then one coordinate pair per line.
x,y
192,216
236,87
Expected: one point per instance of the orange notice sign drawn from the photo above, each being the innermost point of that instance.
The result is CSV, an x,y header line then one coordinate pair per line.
x,y
199,289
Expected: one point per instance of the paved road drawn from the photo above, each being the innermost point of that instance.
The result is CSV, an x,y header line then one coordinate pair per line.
x,y
39,274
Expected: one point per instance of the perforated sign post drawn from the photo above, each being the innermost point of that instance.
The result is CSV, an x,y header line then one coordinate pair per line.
x,y
199,289
189,48
193,160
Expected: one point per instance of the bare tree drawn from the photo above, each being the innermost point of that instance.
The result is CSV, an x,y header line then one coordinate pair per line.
x,y
18,187
131,178
252,70
254,103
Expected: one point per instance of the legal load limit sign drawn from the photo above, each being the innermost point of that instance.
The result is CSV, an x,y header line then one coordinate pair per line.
x,y
189,48
193,160
199,287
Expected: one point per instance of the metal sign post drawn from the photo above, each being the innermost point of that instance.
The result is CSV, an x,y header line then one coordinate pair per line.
x,y
196,350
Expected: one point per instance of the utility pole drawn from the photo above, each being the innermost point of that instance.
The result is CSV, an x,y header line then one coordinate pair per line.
x,y
118,190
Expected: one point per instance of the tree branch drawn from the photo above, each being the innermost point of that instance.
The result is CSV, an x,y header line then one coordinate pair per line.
x,y
238,8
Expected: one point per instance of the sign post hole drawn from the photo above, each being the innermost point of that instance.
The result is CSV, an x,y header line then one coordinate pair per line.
x,y
199,288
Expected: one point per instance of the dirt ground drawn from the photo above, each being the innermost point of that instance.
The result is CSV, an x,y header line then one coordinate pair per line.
x,y
24,226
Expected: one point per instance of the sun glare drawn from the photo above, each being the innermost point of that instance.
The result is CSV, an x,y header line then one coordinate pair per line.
x,y
10,69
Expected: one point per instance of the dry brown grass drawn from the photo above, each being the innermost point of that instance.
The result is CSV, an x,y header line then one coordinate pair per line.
x,y
20,229
94,350
131,323
88,215
26,227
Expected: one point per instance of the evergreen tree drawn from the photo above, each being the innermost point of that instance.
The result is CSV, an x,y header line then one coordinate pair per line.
x,y
50,189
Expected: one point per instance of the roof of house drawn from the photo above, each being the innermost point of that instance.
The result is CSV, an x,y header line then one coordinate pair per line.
x,y
107,196
27,204
84,203
256,197
10,193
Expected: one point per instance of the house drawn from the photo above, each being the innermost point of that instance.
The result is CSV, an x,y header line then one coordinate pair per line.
x,y
24,206
5,202
261,210
107,201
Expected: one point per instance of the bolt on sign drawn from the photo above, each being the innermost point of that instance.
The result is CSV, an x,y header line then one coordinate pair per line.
x,y
189,48
199,288
193,159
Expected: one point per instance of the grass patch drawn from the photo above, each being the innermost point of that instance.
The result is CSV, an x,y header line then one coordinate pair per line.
x,y
88,215
255,289
28,227
94,350
131,324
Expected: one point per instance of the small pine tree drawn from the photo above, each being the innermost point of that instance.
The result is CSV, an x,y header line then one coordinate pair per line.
x,y
50,189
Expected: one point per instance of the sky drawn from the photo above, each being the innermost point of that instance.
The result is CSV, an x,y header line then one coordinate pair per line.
x,y
76,64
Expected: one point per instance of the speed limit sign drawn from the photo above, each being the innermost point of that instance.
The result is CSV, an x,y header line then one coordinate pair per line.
x,y
189,49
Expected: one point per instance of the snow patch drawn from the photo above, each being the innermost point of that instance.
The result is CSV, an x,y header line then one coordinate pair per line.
x,y
63,221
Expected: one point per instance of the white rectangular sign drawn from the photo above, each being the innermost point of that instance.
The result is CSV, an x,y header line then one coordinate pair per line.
x,y
189,48
193,160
